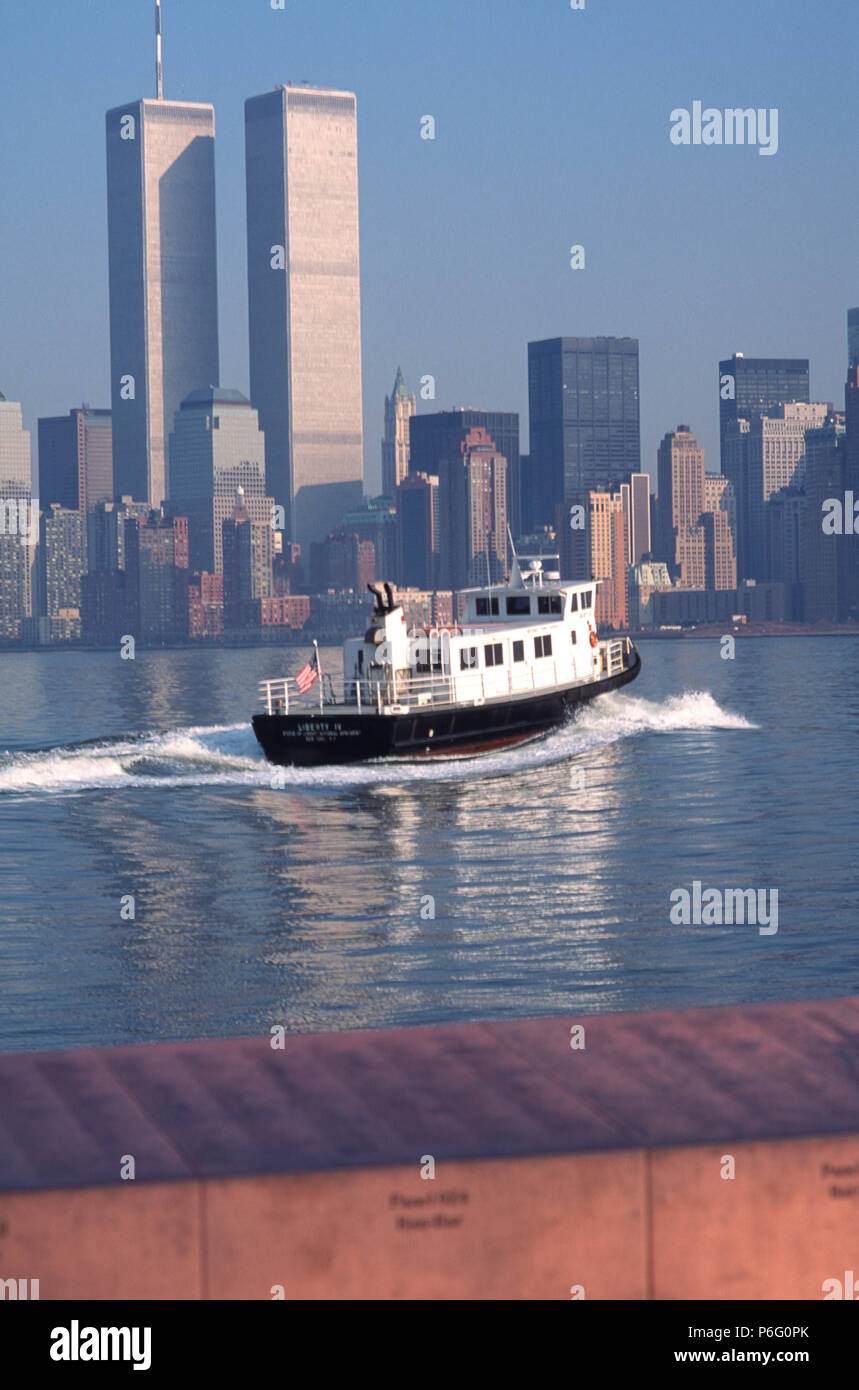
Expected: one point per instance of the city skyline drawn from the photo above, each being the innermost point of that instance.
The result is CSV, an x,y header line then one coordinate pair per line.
x,y
417,326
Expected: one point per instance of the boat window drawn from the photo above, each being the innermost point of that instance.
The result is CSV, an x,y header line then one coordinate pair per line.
x,y
518,603
573,635
518,651
493,654
543,646
550,603
483,607
574,603
586,598
467,658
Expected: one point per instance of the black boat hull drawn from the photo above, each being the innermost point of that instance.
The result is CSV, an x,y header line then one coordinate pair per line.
x,y
313,737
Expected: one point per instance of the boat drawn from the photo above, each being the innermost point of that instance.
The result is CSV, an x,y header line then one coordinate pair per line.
x,y
523,658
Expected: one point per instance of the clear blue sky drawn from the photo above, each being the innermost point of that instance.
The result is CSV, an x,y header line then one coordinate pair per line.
x,y
552,129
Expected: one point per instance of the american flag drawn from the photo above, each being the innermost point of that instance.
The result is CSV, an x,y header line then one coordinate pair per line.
x,y
307,675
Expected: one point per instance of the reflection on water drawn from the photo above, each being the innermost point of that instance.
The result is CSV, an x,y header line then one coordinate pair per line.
x,y
526,882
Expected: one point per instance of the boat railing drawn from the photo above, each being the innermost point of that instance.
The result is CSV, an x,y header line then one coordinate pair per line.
x,y
283,695
616,653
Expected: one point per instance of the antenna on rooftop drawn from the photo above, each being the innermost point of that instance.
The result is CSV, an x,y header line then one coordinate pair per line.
x,y
159,81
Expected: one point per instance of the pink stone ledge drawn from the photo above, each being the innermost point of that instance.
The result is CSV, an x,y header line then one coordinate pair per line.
x,y
217,1109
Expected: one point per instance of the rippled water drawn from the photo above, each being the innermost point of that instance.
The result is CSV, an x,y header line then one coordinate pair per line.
x,y
548,868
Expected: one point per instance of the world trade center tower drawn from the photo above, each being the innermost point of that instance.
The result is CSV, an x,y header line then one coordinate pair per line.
x,y
304,303
163,280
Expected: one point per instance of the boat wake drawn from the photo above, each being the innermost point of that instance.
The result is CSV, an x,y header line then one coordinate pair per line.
x,y
227,755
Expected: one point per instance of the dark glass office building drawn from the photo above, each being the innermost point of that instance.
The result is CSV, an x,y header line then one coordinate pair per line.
x,y
76,459
584,421
432,437
750,386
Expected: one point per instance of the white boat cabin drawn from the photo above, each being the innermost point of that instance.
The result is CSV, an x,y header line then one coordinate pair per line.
x,y
531,633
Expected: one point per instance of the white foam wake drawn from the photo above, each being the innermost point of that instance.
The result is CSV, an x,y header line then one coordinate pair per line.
x,y
228,755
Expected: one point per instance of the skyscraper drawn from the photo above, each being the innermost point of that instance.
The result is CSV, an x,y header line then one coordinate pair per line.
x,y
472,512
436,436
248,548
584,420
417,531
635,492
163,279
399,409
680,488
157,576
216,447
821,561
304,307
849,558
750,386
76,459
696,515
600,550
105,541
852,338
62,534
763,455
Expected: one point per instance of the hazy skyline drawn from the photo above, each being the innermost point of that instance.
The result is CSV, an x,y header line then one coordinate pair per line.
x,y
552,130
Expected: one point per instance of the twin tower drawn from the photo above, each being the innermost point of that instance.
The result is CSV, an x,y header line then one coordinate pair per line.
x,y
303,292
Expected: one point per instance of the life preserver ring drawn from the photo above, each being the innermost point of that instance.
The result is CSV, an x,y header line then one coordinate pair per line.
x,y
593,639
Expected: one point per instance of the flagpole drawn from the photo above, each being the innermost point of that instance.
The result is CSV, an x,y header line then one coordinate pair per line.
x,y
318,669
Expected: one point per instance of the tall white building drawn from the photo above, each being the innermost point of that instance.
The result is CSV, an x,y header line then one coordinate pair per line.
x,y
163,280
304,304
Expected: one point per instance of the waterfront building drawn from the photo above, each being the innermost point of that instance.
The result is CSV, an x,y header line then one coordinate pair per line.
x,y
822,553
205,605
156,566
785,518
765,454
645,579
105,550
62,562
105,608
18,523
342,561
696,512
